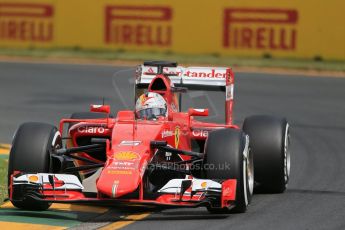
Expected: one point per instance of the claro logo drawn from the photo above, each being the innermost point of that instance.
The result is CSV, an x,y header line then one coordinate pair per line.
x,y
138,26
26,22
91,130
258,29
200,133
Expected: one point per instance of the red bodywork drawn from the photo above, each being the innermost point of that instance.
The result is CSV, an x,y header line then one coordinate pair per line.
x,y
128,151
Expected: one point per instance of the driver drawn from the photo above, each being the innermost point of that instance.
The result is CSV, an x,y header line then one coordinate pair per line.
x,y
150,106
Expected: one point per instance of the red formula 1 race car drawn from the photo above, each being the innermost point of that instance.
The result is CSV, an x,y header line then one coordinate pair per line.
x,y
157,155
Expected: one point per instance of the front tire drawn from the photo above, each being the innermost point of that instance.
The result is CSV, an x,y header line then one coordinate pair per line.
x,y
31,153
230,146
269,142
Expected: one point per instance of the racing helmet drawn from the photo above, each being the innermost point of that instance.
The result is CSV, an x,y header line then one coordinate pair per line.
x,y
150,105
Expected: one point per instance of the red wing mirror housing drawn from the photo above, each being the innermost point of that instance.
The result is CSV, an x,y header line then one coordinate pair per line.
x,y
100,108
198,112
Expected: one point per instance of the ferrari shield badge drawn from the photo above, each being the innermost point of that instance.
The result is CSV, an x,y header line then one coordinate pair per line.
x,y
177,136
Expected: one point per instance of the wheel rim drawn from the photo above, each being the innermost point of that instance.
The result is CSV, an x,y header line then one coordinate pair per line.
x,y
287,155
248,172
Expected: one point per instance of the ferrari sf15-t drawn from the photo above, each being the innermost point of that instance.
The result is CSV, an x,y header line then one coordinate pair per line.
x,y
176,160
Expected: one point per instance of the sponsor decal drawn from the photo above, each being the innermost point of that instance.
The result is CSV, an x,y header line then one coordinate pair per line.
x,y
260,29
193,72
177,136
138,25
200,133
126,165
120,172
205,74
227,191
166,70
203,184
126,155
91,130
114,188
167,133
26,22
130,143
33,179
229,92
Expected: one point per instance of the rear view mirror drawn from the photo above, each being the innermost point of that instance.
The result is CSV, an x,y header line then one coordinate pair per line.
x,y
100,108
198,112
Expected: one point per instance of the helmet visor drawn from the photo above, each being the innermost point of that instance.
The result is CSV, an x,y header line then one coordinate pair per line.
x,y
151,113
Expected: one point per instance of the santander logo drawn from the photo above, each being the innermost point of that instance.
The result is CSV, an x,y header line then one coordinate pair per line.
x,y
202,74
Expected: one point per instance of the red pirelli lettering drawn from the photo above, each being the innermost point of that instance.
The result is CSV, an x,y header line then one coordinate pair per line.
x,y
26,22
138,25
272,29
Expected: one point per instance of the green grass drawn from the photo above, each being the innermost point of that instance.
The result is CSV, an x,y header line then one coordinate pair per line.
x,y
212,59
3,180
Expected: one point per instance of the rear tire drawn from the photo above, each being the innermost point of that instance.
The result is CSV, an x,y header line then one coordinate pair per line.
x,y
269,142
230,146
31,153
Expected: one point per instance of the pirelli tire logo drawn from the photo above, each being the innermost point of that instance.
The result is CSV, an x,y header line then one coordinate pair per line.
x,y
137,26
26,22
260,29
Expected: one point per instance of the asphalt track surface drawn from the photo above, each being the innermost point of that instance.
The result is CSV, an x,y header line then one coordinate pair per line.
x,y
314,106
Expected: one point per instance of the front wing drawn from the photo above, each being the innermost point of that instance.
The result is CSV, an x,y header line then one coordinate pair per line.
x,y
66,188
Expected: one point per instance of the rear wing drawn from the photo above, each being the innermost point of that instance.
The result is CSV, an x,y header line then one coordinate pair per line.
x,y
193,78
207,78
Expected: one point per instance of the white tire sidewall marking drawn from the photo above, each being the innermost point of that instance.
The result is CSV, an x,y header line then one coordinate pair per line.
x,y
245,182
245,162
56,135
287,162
